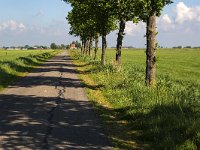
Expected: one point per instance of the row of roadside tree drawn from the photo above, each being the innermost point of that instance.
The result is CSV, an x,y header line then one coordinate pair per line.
x,y
90,19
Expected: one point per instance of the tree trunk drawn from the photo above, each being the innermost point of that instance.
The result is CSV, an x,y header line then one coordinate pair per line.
x,y
87,46
84,50
90,45
151,50
120,40
103,60
96,46
82,47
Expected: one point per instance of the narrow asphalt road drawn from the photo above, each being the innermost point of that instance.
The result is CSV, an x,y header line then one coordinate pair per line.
x,y
48,109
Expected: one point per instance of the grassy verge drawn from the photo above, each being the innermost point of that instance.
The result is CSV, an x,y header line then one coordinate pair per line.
x,y
15,64
137,117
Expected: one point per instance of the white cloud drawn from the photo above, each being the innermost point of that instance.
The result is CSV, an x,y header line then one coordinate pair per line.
x,y
4,25
166,19
21,27
175,28
133,29
185,20
129,28
12,26
185,13
181,26
165,23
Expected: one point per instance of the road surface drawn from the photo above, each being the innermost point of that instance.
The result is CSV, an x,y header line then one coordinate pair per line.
x,y
48,109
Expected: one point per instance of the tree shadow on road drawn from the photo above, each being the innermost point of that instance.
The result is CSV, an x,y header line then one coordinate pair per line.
x,y
12,70
60,64
33,122
32,81
48,123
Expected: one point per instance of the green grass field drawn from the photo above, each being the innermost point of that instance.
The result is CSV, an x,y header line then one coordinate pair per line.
x,y
164,117
16,63
179,64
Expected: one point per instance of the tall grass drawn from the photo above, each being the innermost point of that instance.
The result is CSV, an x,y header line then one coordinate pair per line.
x,y
14,64
168,115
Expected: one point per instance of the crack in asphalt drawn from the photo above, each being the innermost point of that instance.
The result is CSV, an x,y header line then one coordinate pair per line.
x,y
51,113
49,110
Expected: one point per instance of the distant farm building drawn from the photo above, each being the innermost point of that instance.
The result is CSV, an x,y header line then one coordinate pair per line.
x,y
73,46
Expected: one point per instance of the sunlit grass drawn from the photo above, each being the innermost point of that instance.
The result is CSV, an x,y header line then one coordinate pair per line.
x,y
163,117
16,63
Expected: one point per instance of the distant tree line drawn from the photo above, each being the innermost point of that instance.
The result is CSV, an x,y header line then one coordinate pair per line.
x,y
26,47
62,46
180,47
52,46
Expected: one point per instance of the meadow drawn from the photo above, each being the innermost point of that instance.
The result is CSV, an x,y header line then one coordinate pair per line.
x,y
17,63
135,116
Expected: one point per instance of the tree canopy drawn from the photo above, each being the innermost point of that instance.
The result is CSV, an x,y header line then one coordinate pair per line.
x,y
89,19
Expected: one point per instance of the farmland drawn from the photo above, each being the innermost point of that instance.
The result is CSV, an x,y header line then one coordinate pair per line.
x,y
166,116
17,63
177,64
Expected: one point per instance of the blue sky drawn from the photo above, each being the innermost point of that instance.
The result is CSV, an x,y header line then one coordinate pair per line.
x,y
41,22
